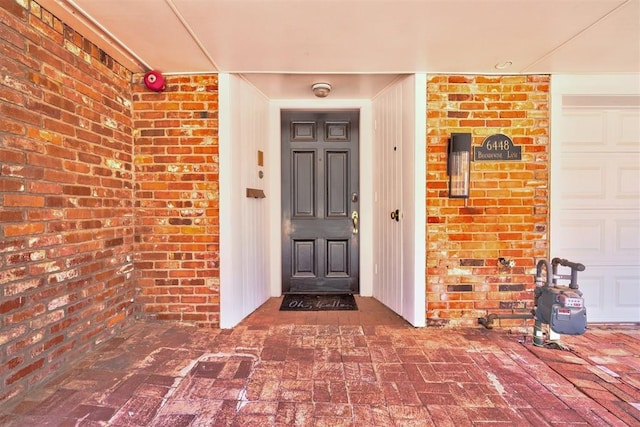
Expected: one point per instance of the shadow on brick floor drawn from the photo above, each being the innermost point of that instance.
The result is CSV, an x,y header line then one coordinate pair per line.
x,y
360,368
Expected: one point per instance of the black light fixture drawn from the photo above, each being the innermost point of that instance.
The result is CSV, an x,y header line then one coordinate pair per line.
x,y
459,165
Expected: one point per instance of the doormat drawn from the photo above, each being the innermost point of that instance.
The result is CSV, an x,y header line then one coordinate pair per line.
x,y
318,302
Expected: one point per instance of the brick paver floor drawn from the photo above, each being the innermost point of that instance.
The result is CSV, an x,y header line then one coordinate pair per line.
x,y
335,368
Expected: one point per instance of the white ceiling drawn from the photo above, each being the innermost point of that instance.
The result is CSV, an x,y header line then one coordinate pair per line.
x,y
359,46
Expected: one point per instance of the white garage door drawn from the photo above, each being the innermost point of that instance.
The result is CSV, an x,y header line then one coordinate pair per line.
x,y
595,188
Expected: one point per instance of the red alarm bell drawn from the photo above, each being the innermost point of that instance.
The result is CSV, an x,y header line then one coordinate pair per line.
x,y
154,80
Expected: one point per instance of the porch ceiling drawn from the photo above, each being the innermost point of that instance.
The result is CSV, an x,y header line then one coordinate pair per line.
x,y
359,46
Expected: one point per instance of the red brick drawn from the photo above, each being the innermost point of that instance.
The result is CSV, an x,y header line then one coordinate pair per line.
x,y
503,194
7,185
23,229
10,305
11,156
47,150
20,114
23,200
25,371
11,126
158,152
472,106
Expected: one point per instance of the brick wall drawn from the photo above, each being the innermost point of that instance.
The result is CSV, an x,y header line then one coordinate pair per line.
x,y
66,196
507,212
177,235
75,233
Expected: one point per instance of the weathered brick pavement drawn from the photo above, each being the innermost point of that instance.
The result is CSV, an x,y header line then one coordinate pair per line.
x,y
364,368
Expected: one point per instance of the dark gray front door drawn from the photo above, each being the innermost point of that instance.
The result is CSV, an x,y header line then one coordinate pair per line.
x,y
320,201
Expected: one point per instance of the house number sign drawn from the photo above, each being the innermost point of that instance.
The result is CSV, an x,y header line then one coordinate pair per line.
x,y
497,147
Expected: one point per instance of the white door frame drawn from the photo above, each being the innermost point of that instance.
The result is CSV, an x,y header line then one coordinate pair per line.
x,y
273,171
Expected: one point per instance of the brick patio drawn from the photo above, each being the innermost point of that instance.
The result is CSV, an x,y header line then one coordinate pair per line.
x,y
340,368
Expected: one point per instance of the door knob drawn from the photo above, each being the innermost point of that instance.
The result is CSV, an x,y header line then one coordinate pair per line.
x,y
395,215
354,218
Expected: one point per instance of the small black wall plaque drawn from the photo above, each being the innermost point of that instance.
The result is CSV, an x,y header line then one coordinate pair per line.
x,y
497,147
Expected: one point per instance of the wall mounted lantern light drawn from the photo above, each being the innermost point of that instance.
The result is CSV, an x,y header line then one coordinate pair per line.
x,y
459,165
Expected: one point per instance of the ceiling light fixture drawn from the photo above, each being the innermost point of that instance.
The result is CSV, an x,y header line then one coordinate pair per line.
x,y
503,65
321,90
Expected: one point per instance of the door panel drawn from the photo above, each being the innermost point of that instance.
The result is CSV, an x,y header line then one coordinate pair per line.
x,y
319,198
304,184
304,256
338,258
596,202
337,184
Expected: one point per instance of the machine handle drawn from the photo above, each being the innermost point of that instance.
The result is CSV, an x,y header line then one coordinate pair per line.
x,y
563,262
543,263
575,267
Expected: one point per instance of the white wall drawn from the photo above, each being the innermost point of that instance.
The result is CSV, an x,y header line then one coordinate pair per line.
x,y
388,149
250,230
399,115
243,129
414,193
